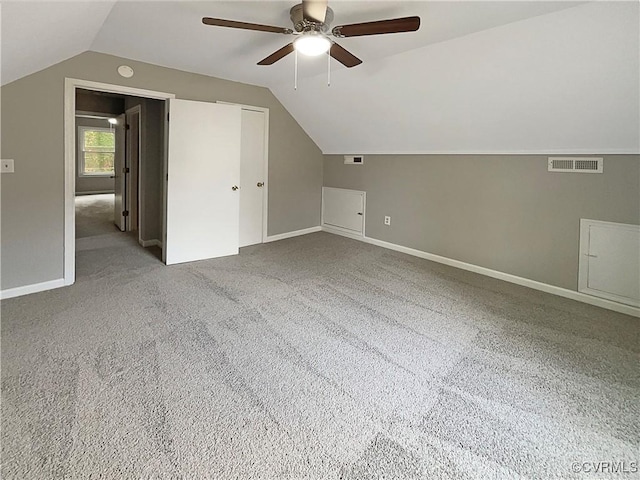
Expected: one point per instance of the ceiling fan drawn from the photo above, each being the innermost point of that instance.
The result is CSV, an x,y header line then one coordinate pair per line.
x,y
311,24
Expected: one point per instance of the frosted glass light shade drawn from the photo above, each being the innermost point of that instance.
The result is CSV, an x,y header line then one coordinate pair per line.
x,y
312,44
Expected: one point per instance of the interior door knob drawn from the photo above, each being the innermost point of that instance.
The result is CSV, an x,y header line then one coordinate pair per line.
x,y
234,188
260,184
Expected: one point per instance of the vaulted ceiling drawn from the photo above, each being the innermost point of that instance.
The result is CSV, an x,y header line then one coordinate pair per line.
x,y
477,77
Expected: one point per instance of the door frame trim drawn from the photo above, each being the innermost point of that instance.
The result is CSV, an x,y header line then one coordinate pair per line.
x,y
70,86
265,190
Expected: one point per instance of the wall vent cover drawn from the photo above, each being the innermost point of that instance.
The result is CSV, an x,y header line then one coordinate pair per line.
x,y
576,164
354,159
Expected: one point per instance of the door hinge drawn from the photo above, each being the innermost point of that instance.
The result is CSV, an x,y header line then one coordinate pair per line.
x,y
125,213
128,127
125,170
168,117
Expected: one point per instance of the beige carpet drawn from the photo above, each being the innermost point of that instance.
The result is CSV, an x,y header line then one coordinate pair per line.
x,y
315,357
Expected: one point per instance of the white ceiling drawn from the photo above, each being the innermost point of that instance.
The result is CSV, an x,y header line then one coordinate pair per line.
x,y
170,33
567,82
36,35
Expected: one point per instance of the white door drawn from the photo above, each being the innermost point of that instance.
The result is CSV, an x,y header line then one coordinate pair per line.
x,y
133,163
252,177
120,180
203,168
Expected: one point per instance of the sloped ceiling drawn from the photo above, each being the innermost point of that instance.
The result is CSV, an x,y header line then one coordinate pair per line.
x,y
566,82
171,33
36,35
481,77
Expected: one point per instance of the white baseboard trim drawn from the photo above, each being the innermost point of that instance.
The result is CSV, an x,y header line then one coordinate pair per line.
x,y
342,231
35,288
296,233
150,243
507,277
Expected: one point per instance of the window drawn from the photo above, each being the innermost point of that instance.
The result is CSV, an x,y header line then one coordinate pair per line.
x,y
96,151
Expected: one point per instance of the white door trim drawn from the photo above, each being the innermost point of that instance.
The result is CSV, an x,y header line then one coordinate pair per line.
x,y
70,86
265,191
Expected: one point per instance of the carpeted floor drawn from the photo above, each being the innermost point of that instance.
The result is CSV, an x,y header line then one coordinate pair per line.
x,y
94,215
315,357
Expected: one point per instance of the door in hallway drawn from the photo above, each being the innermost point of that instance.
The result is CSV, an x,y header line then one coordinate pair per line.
x,y
252,177
133,163
120,182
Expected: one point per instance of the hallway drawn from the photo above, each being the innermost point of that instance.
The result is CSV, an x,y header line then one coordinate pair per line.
x,y
94,215
97,235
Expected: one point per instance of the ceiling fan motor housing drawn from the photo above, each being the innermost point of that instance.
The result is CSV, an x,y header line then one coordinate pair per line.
x,y
300,24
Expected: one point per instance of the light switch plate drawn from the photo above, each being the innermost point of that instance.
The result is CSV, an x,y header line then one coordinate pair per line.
x,y
7,166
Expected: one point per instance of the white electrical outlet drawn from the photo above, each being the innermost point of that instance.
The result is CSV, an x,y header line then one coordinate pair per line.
x,y
7,166
387,220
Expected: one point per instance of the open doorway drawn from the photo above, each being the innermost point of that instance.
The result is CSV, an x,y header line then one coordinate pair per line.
x,y
72,85
193,212
119,164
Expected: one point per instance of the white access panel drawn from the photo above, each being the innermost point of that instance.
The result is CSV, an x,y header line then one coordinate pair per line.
x,y
203,169
343,209
610,261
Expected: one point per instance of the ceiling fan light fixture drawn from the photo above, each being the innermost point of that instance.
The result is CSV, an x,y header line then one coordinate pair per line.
x,y
312,44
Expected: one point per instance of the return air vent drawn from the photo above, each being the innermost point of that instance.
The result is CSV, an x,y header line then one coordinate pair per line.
x,y
354,159
576,164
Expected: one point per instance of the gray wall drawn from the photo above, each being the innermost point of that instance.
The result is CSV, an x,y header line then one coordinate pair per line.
x,y
33,197
502,212
91,184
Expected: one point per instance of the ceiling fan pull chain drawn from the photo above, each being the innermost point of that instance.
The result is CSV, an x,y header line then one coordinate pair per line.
x,y
295,70
328,68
